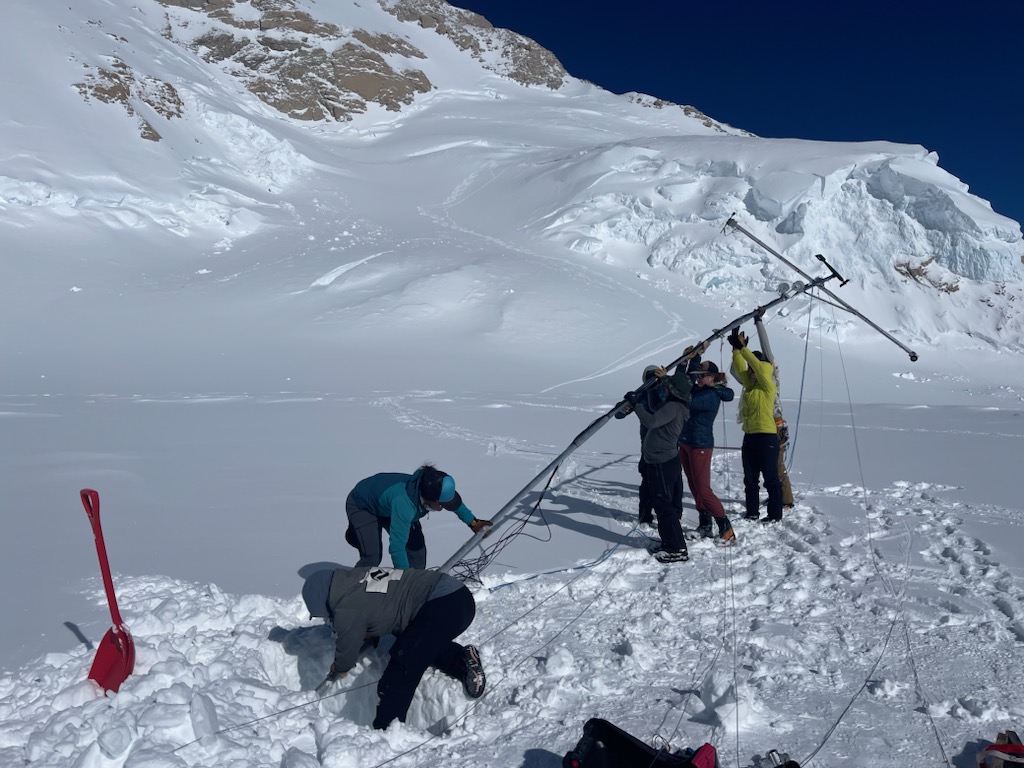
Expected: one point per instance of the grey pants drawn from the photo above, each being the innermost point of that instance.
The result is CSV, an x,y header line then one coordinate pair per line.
x,y
364,533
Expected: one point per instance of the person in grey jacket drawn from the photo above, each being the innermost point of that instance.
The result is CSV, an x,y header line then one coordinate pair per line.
x,y
662,471
424,610
652,401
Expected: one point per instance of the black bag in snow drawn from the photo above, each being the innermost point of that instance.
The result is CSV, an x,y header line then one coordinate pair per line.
x,y
604,745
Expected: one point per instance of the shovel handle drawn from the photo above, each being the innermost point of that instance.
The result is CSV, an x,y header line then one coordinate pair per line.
x,y
91,502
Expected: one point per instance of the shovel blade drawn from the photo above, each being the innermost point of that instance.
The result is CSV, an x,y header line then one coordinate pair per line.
x,y
115,659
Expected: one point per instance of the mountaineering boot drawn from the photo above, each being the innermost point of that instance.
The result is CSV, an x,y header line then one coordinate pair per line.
x,y
704,524
473,680
665,556
726,535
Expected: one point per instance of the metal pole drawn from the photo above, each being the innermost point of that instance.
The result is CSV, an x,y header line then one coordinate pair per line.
x,y
503,513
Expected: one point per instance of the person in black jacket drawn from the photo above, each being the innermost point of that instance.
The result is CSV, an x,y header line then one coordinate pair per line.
x,y
424,610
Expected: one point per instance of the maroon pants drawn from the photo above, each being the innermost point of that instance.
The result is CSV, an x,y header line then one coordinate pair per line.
x,y
697,468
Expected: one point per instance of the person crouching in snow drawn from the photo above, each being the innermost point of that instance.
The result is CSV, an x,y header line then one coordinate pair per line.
x,y
396,502
424,610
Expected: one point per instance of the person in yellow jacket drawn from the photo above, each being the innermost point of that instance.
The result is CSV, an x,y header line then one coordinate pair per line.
x,y
781,428
760,451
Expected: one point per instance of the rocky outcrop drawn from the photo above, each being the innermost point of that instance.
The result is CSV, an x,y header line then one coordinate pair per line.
x,y
305,68
500,50
653,102
118,84
311,70
314,70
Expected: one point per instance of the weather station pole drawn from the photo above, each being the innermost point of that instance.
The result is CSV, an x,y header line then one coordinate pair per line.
x,y
786,293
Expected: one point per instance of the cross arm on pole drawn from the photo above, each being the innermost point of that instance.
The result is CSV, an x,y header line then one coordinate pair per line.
x,y
731,222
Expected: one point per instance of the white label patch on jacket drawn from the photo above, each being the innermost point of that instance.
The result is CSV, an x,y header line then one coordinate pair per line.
x,y
378,579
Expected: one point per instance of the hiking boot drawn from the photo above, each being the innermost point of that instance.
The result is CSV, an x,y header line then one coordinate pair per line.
x,y
755,516
726,535
474,680
771,520
705,531
665,556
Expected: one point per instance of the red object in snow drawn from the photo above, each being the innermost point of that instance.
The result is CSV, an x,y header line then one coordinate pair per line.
x,y
115,656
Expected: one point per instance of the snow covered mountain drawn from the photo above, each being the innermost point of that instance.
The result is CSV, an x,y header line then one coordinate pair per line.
x,y
255,251
174,130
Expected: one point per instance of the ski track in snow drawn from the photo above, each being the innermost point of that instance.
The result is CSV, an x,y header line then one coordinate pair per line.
x,y
325,280
572,266
415,419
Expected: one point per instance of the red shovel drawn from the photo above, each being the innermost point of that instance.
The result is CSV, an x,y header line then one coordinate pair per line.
x,y
115,656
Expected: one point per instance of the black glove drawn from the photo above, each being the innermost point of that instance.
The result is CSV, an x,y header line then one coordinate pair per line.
x,y
737,340
631,397
624,411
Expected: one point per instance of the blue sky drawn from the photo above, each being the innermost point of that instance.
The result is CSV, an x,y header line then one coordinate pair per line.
x,y
947,76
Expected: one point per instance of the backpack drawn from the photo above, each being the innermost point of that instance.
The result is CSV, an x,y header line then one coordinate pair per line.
x,y
604,745
1005,753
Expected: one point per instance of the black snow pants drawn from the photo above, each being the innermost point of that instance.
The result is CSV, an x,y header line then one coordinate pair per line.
x,y
428,641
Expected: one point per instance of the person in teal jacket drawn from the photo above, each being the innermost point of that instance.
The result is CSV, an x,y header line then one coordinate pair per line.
x,y
396,502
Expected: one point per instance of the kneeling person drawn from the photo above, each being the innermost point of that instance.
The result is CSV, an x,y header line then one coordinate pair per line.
x,y
425,610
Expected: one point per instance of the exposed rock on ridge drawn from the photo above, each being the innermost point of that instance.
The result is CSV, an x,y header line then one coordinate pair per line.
x,y
117,84
500,50
305,68
312,70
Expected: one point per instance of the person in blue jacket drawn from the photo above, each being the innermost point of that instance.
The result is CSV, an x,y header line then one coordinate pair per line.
x,y
697,444
396,502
